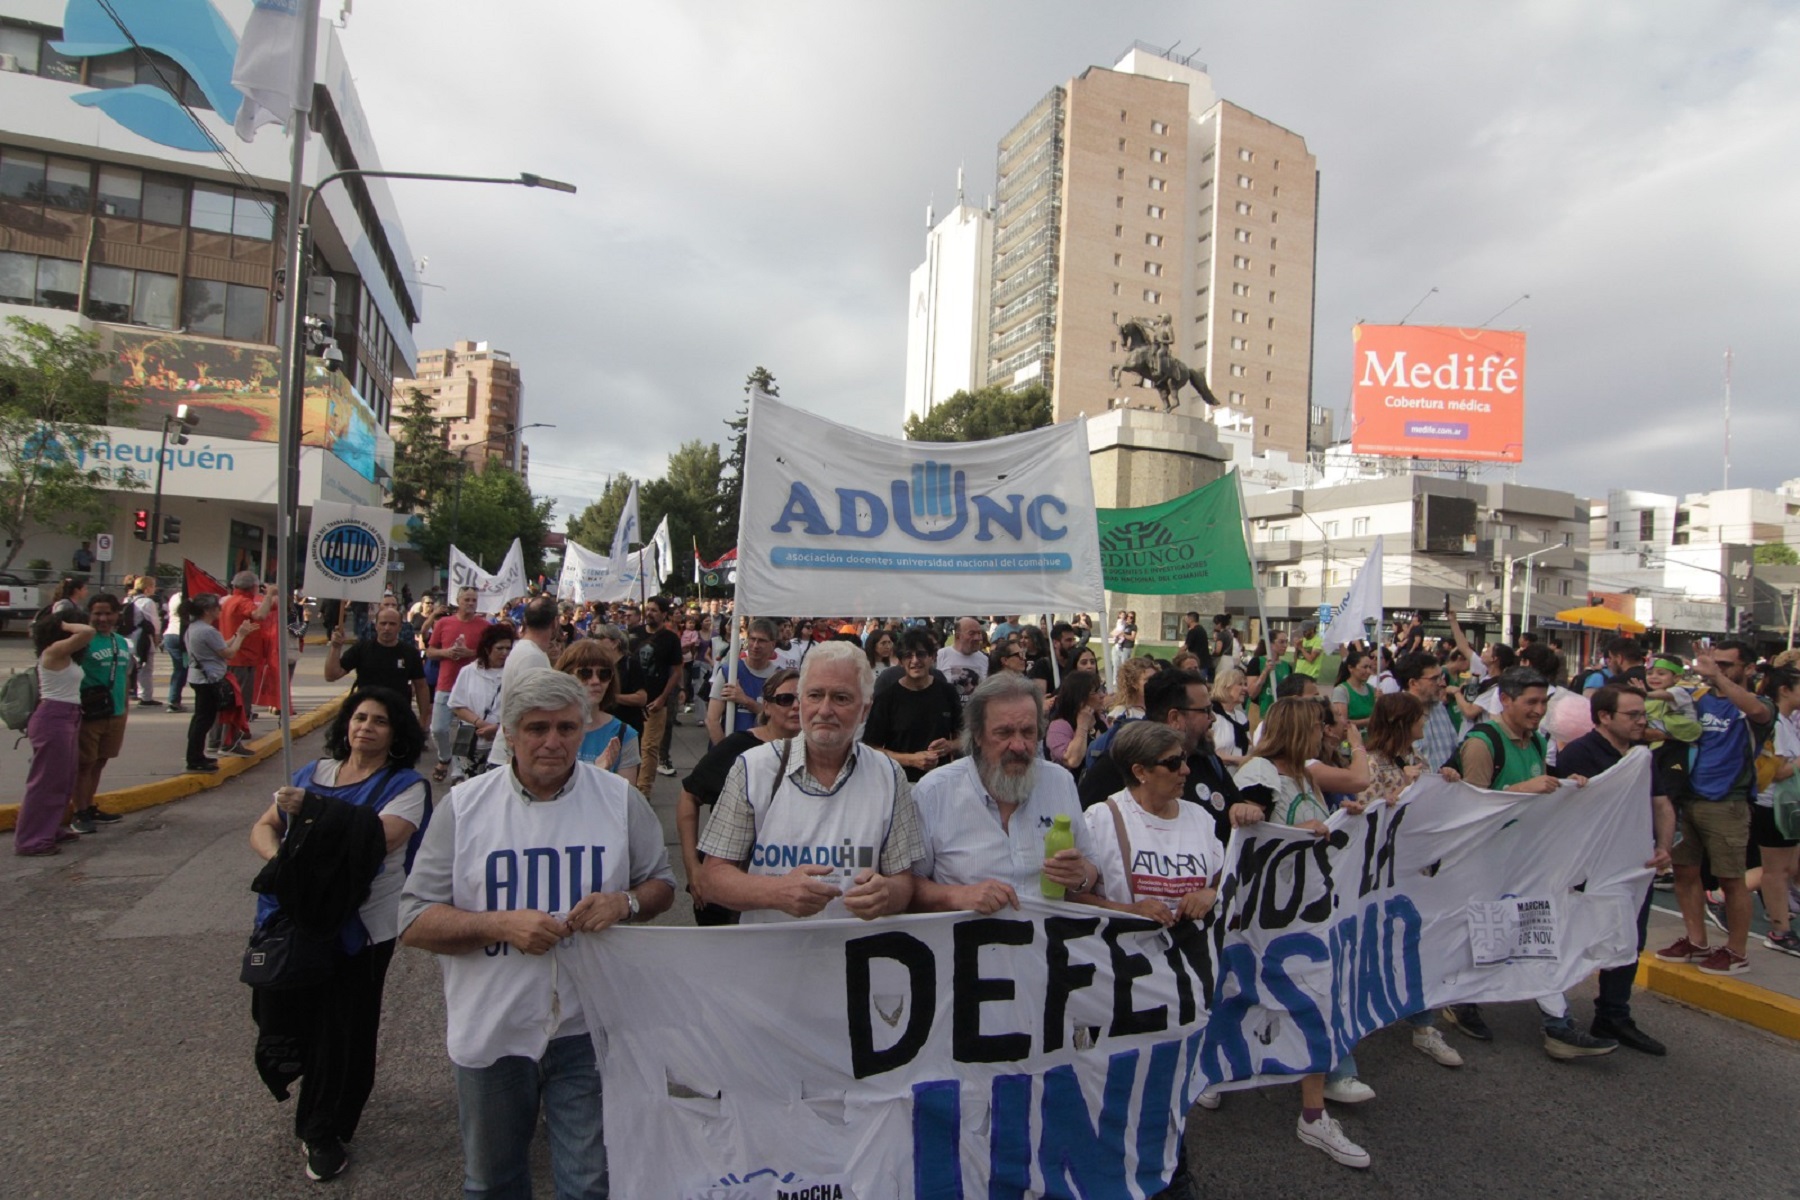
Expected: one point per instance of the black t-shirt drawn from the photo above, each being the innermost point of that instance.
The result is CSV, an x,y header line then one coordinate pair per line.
x,y
1208,784
376,665
907,721
657,654
707,779
630,679
1591,754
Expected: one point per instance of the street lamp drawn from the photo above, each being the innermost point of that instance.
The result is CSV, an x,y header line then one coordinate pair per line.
x,y
183,423
1506,588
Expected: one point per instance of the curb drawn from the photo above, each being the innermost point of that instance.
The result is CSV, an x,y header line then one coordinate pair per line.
x,y
1728,997
176,787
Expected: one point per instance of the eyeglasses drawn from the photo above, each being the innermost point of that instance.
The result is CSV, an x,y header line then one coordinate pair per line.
x,y
1635,714
1172,763
600,673
783,699
910,654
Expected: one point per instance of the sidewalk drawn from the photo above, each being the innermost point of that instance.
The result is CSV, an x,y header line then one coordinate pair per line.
x,y
150,764
1767,996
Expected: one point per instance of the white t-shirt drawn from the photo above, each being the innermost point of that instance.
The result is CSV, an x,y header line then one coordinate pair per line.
x,y
964,671
1168,858
380,912
1293,804
1787,745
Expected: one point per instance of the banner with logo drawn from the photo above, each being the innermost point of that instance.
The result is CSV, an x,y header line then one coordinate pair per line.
x,y
845,522
584,573
1193,543
1053,1050
508,583
347,552
1430,391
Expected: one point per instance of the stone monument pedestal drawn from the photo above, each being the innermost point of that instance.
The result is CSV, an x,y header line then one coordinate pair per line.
x,y
1146,456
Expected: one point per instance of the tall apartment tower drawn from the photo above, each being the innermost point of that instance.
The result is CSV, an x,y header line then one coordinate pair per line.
x,y
479,392
946,326
1135,191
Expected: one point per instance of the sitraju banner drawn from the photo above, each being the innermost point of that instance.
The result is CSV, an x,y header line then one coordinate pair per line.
x,y
842,521
1193,543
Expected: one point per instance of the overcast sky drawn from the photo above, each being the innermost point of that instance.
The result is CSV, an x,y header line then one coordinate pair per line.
x,y
754,179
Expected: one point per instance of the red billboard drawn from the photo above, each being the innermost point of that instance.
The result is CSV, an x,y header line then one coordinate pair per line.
x,y
1430,391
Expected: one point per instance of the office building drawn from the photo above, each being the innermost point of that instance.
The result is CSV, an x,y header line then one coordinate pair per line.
x,y
946,325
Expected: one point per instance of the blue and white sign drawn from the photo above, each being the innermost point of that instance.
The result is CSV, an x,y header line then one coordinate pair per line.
x,y
347,552
838,520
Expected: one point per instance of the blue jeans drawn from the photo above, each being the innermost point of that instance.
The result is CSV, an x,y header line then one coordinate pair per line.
x,y
178,667
497,1111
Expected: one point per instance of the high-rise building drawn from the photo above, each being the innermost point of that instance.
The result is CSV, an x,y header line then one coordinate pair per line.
x,y
946,328
1135,191
478,392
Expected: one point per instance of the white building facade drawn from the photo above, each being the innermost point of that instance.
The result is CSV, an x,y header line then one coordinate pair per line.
x,y
947,314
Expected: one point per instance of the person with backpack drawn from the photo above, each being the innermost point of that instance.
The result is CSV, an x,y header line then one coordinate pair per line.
x,y
55,732
141,624
1507,753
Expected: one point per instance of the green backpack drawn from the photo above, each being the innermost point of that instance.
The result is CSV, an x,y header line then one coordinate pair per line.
x,y
19,698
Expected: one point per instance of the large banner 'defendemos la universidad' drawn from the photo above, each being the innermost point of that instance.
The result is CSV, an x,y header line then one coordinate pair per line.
x,y
1193,543
841,521
1053,1050
1428,391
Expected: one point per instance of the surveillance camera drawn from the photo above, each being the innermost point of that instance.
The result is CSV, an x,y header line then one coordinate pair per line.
x,y
334,358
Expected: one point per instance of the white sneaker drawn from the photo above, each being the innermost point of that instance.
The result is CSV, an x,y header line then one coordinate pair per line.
x,y
1429,1042
1348,1091
1210,1099
1328,1136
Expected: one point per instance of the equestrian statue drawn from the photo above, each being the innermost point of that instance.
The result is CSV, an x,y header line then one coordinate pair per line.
x,y
1147,343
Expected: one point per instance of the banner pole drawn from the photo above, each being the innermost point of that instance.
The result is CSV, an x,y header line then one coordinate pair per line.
x,y
1262,614
731,675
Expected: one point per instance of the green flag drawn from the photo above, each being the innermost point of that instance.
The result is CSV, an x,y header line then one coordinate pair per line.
x,y
1193,543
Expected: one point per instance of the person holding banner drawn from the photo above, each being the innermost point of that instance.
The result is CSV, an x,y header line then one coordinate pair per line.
x,y
1177,880
754,667
785,803
984,816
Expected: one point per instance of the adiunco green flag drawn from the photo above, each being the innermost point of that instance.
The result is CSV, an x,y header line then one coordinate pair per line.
x,y
1193,543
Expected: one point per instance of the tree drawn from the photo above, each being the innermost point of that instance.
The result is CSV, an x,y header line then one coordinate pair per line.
x,y
54,398
1777,554
424,467
976,416
688,494
482,515
594,526
731,495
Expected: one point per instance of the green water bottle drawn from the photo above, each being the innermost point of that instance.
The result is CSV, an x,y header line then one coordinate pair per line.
x,y
1060,837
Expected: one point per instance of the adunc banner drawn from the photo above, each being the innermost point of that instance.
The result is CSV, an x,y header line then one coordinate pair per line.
x,y
1053,1051
508,583
842,521
1193,543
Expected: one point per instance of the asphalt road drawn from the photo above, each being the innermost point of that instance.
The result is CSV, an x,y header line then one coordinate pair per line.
x,y
125,1063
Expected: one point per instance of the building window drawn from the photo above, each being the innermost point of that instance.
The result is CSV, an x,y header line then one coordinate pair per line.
x,y
1118,202
1647,525
1243,209
1153,239
1158,127
1118,260
1239,316
1118,231
1275,191
1274,243
1237,397
1237,369
1121,143
1154,212
1246,155
1271,297
1153,268
42,282
1331,530
1158,185
1274,218
1243,181
39,179
1359,526
1115,292
1240,262
1238,343
1159,156
1243,235
1240,289
131,297
30,46
1562,587
225,310
1152,296
1121,173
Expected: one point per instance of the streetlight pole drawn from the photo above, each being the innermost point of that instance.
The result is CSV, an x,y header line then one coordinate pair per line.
x,y
1506,585
185,419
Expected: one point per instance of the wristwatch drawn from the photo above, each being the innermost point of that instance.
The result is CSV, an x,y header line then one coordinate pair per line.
x,y
631,905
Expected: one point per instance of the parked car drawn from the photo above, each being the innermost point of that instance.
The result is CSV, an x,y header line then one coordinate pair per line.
x,y
19,600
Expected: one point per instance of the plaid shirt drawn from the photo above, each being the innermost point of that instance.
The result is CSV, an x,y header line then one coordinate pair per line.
x,y
1439,743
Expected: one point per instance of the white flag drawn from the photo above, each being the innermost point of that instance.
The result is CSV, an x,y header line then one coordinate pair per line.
x,y
628,530
1363,603
271,70
662,552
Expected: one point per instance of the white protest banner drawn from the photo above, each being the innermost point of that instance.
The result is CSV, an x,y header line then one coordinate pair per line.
x,y
1361,604
584,574
347,552
842,521
505,584
628,529
1456,895
910,1058
626,578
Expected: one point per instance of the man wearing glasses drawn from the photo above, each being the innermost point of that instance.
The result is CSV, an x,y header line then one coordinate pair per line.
x,y
755,666
1620,723
1421,677
916,722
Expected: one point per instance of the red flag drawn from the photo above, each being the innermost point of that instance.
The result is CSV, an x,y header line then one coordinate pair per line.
x,y
195,582
729,556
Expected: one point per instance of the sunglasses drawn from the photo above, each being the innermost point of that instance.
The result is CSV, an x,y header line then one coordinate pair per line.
x,y
1171,763
783,699
917,654
600,673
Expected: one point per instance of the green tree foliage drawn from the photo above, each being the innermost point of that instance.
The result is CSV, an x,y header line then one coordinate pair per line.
x,y
1777,554
688,494
424,467
976,416
593,527
494,507
731,494
54,398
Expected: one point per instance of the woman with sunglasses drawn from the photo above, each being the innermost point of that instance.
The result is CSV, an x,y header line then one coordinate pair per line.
x,y
609,743
780,718
1287,774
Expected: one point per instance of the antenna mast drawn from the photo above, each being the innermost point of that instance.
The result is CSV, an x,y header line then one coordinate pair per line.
x,y
1727,483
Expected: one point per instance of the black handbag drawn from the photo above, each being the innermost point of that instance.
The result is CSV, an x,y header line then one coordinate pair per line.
x,y
96,702
281,956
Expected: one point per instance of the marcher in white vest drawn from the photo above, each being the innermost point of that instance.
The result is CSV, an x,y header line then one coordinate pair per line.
x,y
819,824
985,815
514,863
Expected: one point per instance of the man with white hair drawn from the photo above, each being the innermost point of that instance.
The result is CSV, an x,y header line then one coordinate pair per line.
x,y
514,863
985,816
818,824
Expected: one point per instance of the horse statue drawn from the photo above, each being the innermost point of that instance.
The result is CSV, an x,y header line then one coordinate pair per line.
x,y
1147,355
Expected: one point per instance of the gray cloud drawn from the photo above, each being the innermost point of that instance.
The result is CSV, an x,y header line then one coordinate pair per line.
x,y
754,180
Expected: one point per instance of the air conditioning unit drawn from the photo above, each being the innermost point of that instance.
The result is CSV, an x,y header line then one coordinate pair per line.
x,y
10,62
321,297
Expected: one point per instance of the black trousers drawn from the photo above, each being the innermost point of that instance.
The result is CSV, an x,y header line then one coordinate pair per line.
x,y
324,1036
206,711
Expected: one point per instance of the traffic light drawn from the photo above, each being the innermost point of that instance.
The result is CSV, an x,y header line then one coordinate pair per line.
x,y
140,524
171,530
1746,625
